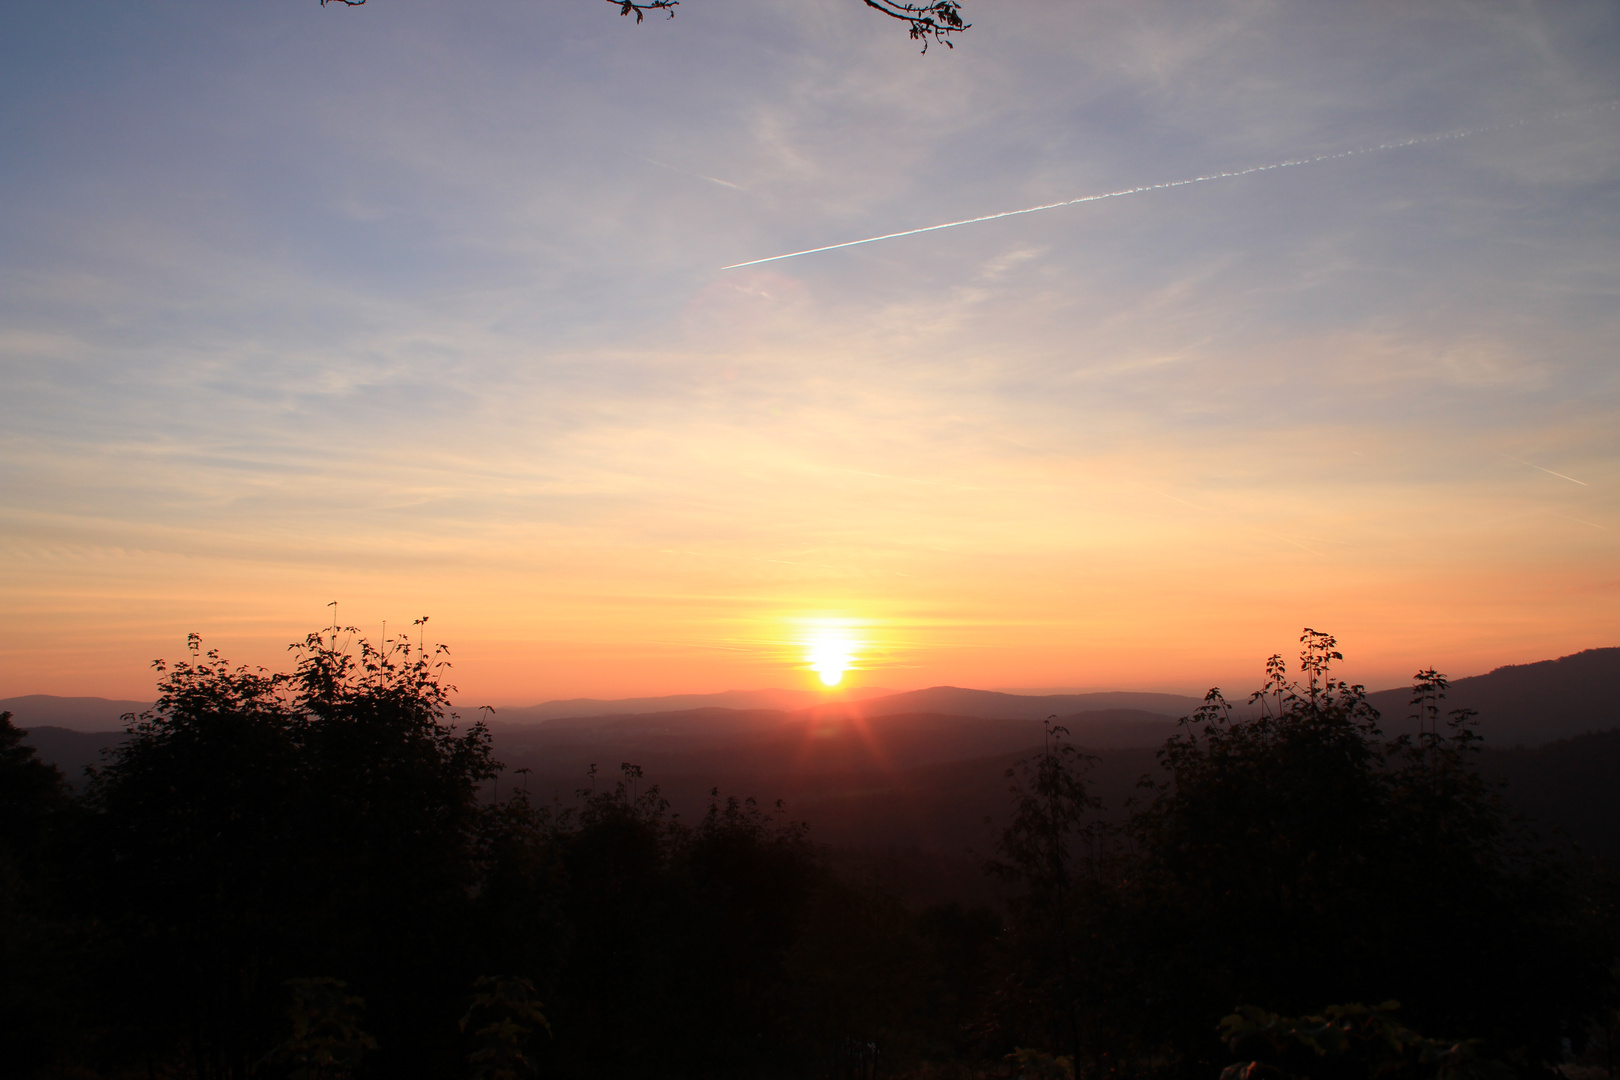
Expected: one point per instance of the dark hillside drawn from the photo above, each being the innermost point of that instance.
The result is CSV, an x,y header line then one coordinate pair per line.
x,y
1528,703
1572,785
827,739
71,751
995,705
871,701
75,713
727,699
922,781
921,829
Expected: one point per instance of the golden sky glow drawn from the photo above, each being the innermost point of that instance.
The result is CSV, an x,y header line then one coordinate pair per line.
x,y
422,313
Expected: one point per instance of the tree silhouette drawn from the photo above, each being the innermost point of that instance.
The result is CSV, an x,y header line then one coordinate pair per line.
x,y
41,940
1049,851
272,824
503,1017
326,1040
1291,855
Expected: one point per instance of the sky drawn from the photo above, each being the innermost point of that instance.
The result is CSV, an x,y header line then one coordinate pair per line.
x,y
419,308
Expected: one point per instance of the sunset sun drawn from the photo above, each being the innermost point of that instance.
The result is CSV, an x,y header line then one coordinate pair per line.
x,y
831,653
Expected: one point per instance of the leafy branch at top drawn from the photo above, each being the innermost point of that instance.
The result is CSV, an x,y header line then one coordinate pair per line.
x,y
639,10
930,23
933,21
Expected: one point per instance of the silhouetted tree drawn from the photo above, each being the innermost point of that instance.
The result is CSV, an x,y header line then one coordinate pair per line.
x,y
256,826
1068,993
41,937
1048,853
750,875
503,1017
857,983
325,1040
33,795
1292,856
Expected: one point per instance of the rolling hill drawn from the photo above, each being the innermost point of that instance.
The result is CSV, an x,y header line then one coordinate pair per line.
x,y
1521,703
1528,704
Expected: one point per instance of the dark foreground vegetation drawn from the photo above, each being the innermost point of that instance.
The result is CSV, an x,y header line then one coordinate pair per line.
x,y
308,875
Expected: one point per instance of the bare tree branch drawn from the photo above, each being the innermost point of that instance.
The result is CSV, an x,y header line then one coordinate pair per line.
x,y
931,22
628,7
936,20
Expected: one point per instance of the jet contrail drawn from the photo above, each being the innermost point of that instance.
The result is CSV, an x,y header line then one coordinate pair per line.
x,y
1560,475
1421,140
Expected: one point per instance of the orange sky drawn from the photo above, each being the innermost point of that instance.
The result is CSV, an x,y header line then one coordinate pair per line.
x,y
1096,575
425,315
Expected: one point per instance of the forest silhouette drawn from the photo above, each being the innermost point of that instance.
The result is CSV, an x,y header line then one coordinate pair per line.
x,y
322,873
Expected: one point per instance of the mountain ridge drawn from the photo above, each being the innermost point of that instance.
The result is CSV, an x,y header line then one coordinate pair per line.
x,y
1517,703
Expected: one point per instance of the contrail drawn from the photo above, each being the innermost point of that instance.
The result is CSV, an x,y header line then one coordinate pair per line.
x,y
1421,140
1560,475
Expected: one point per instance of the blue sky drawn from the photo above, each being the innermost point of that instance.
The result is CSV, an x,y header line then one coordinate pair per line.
x,y
418,306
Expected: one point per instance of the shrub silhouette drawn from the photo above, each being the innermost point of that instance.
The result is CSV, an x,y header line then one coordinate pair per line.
x,y
1291,854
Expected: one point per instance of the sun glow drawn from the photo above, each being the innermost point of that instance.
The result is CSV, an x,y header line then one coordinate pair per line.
x,y
831,652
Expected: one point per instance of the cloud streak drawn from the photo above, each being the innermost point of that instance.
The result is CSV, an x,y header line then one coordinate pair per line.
x,y
1422,140
693,175
1549,472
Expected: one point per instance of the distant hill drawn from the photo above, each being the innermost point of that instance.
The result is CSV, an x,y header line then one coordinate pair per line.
x,y
1566,787
1522,703
874,701
71,751
995,705
1528,704
785,700
821,740
77,713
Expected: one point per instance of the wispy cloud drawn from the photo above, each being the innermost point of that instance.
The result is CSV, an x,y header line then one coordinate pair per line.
x,y
694,175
